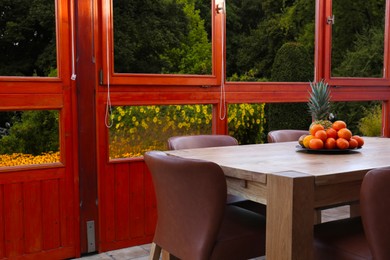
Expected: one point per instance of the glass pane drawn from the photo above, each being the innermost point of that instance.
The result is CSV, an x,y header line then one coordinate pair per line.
x,y
162,37
250,123
247,122
287,116
29,137
358,38
137,129
362,118
28,38
270,40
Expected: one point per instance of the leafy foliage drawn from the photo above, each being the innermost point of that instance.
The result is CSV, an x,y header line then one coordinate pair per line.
x,y
32,132
371,123
27,37
292,63
156,36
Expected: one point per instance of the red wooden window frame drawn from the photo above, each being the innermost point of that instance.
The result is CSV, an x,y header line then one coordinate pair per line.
x,y
113,78
326,45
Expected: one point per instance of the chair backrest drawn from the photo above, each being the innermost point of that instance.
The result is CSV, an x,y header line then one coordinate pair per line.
x,y
200,141
375,211
191,197
285,135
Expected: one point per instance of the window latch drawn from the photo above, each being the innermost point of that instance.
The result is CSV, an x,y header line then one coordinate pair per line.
x,y
330,19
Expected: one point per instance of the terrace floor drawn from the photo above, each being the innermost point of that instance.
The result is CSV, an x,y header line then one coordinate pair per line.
x,y
142,252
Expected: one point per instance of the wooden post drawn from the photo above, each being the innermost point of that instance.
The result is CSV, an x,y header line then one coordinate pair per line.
x,y
290,209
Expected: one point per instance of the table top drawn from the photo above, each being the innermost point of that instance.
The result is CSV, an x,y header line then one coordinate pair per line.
x,y
255,162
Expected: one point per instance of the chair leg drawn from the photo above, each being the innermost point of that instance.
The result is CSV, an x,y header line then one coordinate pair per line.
x,y
155,252
167,256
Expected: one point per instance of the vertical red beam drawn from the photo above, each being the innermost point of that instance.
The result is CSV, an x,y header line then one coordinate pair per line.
x,y
86,82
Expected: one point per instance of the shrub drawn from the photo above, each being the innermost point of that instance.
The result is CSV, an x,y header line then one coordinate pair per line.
x,y
371,123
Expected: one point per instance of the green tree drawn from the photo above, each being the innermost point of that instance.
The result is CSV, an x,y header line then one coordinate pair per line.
x,y
254,43
292,64
32,132
27,37
352,20
366,57
193,56
156,36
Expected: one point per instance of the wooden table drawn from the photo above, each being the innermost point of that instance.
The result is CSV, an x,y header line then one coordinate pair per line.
x,y
293,185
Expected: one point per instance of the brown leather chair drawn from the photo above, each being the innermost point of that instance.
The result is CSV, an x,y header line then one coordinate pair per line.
x,y
285,135
193,220
375,210
360,238
202,141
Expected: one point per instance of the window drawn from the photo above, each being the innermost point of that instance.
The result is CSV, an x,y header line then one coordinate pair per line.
x,y
160,42
270,41
358,38
28,38
29,137
137,129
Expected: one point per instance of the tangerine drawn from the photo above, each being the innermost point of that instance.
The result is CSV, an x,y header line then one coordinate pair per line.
x,y
342,143
330,143
316,143
330,132
321,134
306,140
353,143
314,128
359,139
339,124
344,133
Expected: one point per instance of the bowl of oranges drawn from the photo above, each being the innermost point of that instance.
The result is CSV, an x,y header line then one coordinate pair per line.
x,y
336,138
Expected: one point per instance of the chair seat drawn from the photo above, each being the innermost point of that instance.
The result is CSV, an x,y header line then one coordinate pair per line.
x,y
341,239
238,234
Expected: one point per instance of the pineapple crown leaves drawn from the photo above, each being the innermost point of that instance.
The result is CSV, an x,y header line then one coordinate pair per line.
x,y
319,100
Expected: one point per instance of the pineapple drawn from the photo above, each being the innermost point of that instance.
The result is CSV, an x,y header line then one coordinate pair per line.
x,y
319,104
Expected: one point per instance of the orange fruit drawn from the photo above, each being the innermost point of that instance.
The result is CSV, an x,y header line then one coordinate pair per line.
x,y
314,128
316,143
321,134
330,132
359,139
339,124
344,133
353,143
306,140
342,143
330,143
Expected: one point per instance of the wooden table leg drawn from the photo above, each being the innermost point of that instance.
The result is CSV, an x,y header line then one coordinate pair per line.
x,y
290,209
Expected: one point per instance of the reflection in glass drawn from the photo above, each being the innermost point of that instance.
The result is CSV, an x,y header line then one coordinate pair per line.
x,y
358,38
29,137
28,38
268,40
162,37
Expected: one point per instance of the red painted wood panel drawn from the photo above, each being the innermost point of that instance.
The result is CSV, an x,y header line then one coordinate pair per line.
x,y
137,200
2,242
128,211
51,216
122,202
13,217
107,206
150,203
32,215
